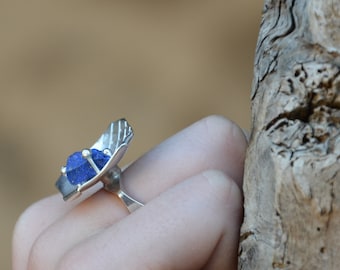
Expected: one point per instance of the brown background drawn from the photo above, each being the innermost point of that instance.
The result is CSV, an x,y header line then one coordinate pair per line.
x,y
68,68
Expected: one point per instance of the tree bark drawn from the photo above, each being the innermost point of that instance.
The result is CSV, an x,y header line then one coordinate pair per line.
x,y
292,175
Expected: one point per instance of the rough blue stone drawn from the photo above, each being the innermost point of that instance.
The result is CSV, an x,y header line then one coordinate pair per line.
x,y
79,170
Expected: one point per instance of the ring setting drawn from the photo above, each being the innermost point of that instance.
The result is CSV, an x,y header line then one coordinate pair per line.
x,y
99,163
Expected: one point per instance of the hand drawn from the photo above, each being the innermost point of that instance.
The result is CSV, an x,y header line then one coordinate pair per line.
x,y
191,184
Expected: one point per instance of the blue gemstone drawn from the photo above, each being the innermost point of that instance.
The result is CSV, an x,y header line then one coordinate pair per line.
x,y
79,170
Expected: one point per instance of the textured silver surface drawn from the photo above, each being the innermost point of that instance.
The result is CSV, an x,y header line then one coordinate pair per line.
x,y
115,140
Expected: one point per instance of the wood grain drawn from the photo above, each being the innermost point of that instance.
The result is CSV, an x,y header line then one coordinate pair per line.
x,y
292,176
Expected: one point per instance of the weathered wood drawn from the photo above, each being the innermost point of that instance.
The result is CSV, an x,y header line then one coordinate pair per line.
x,y
292,175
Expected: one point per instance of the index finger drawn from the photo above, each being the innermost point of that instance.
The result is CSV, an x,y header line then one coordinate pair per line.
x,y
213,143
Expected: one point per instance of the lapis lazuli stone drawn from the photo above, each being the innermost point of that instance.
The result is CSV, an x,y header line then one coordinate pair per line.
x,y
79,170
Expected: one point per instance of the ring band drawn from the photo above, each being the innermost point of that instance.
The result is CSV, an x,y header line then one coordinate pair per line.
x,y
86,168
112,183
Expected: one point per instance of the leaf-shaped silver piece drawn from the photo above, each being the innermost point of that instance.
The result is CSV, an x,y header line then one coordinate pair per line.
x,y
116,139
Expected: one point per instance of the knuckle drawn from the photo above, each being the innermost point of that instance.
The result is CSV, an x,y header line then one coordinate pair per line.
x,y
218,123
26,231
73,259
23,227
224,190
36,256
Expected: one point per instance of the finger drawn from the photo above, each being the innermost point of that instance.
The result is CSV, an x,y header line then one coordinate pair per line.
x,y
212,143
187,153
193,223
33,221
87,219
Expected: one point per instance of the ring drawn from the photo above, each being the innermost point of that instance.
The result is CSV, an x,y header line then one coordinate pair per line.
x,y
86,168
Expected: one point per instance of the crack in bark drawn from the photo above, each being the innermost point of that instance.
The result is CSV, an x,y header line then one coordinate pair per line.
x,y
320,85
292,24
269,38
245,235
292,168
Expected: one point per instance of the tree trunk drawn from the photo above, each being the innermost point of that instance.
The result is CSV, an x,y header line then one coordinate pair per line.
x,y
292,176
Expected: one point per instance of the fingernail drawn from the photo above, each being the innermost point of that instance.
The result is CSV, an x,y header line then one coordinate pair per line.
x,y
246,134
216,178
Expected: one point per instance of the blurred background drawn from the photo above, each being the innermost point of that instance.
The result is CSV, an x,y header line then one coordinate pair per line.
x,y
68,68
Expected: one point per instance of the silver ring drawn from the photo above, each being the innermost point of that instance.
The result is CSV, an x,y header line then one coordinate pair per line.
x,y
98,163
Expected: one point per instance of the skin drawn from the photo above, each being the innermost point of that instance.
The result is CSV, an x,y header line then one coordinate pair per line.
x,y
191,187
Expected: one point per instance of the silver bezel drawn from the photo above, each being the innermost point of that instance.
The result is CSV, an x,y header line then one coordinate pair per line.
x,y
115,140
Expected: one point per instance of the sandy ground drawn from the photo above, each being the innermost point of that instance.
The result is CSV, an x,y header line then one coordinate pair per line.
x,y
68,68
